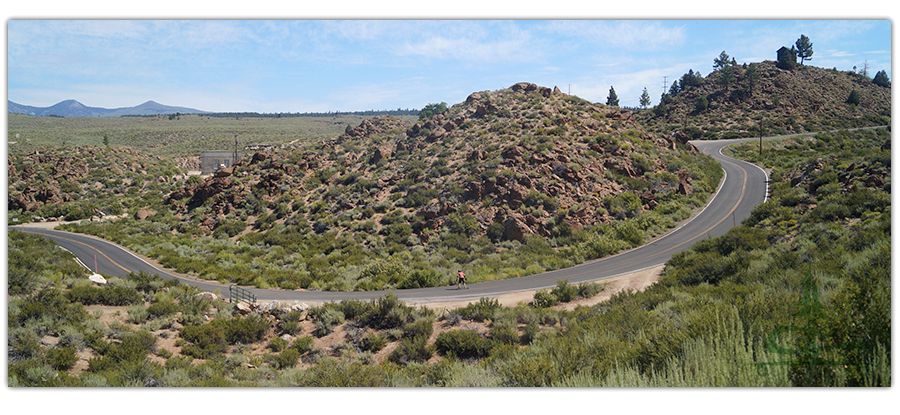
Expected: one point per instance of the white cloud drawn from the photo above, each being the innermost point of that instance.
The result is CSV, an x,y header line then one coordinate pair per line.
x,y
629,34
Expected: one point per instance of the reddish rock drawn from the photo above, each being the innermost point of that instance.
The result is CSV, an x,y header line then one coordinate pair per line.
x,y
143,214
514,228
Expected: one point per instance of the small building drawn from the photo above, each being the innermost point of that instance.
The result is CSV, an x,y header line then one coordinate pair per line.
x,y
212,160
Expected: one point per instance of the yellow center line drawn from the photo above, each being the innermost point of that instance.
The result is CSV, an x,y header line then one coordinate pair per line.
x,y
741,198
82,243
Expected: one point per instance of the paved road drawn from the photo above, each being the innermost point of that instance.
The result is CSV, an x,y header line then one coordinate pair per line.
x,y
744,187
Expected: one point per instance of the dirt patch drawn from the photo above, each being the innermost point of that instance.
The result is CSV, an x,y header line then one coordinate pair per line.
x,y
635,281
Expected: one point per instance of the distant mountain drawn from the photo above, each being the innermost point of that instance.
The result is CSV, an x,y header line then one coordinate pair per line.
x,y
72,108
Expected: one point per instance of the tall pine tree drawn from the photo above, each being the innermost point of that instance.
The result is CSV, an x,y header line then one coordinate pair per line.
x,y
645,98
613,99
804,49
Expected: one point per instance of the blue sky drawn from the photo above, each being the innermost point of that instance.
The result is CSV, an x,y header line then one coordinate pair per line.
x,y
350,65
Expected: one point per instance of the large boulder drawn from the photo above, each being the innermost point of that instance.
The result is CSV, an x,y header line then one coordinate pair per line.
x,y
142,214
514,228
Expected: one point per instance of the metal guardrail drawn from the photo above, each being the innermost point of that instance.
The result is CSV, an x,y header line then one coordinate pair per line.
x,y
236,293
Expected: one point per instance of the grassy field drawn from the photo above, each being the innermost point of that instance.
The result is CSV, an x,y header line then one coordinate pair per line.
x,y
184,135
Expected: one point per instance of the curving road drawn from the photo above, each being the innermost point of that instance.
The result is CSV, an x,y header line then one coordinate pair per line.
x,y
745,186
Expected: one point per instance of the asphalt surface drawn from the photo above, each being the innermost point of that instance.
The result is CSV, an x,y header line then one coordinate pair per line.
x,y
745,185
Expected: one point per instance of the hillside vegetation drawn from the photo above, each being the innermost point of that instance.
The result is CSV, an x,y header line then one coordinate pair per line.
x,y
75,183
761,99
509,183
797,295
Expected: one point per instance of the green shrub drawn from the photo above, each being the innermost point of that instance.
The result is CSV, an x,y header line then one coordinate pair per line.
x,y
249,329
162,308
420,327
327,319
411,350
564,292
111,295
353,309
529,333
206,340
421,279
463,344
505,332
387,312
543,299
278,344
285,359
137,314
303,344
290,322
482,310
133,348
373,342
62,358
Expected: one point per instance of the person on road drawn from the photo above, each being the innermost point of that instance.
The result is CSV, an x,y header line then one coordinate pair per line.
x,y
461,279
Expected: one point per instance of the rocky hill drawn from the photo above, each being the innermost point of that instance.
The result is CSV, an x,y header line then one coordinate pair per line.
x,y
75,183
508,183
772,102
507,164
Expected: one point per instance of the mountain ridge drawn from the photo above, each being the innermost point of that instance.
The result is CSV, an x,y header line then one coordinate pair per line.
x,y
73,108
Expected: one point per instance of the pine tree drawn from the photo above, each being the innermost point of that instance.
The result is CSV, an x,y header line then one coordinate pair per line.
x,y
804,48
722,61
751,77
613,99
881,79
726,77
645,98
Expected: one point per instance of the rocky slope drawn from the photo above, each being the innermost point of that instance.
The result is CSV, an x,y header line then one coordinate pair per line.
x,y
75,182
509,163
775,101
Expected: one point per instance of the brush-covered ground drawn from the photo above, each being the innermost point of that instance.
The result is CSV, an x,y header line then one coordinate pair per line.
x,y
759,99
508,183
797,295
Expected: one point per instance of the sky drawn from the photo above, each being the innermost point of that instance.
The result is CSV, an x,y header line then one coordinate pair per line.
x,y
320,65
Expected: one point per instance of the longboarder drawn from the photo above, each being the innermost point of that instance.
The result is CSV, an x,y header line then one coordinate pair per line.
x,y
461,279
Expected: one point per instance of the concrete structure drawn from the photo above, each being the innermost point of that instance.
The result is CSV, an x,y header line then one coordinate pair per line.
x,y
212,160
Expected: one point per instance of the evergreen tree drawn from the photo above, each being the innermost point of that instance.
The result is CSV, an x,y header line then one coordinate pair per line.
x,y
804,48
881,79
613,99
722,61
853,99
645,98
726,77
701,104
690,79
673,90
751,77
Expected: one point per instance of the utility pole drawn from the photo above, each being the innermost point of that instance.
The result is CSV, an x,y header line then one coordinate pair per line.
x,y
235,158
665,84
